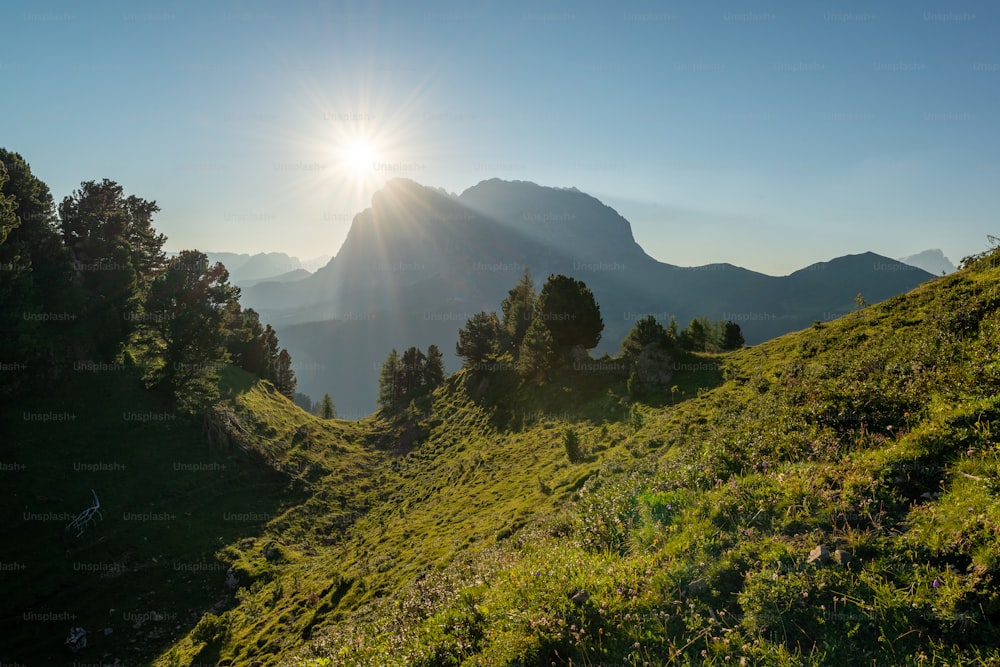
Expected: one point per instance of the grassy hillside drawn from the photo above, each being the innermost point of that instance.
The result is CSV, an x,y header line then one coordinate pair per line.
x,y
829,496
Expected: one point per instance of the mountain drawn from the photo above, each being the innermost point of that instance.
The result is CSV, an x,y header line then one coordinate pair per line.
x,y
420,261
246,269
255,267
828,497
291,276
315,263
932,261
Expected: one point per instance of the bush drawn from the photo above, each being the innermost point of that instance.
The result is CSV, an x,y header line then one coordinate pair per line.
x,y
571,441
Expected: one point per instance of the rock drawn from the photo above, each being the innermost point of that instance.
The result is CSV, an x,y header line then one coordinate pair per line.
x,y
77,639
653,368
697,586
842,557
820,553
580,598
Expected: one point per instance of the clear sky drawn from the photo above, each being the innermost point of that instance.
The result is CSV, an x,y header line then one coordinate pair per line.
x,y
766,134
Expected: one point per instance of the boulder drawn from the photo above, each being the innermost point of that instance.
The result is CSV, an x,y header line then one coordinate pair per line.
x,y
842,557
819,555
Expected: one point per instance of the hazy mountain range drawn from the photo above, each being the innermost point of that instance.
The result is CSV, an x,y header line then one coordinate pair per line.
x,y
932,261
246,269
420,261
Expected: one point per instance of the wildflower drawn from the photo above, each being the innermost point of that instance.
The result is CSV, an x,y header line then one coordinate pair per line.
x,y
935,583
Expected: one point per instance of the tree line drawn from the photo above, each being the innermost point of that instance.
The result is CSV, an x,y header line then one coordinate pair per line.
x,y
537,334
89,280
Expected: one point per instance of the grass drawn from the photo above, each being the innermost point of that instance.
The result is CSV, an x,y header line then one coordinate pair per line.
x,y
461,532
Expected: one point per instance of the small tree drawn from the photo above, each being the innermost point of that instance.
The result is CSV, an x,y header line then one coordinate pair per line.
x,y
434,368
537,353
389,391
672,334
518,310
695,336
412,372
478,339
284,379
327,410
571,441
732,336
646,332
570,312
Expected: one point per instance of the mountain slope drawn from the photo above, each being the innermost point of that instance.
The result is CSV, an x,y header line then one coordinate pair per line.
x,y
828,497
424,261
139,576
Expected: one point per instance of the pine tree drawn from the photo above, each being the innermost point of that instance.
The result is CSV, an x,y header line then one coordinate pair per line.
x,y
672,334
185,341
694,337
518,310
284,380
327,410
478,339
118,252
570,312
434,369
732,337
388,382
537,353
411,373
646,332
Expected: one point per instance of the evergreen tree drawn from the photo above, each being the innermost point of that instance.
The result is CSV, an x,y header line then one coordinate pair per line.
x,y
478,339
389,391
247,344
284,379
434,369
269,354
672,334
570,313
732,337
412,372
183,331
327,410
646,332
694,337
36,271
518,310
117,253
537,353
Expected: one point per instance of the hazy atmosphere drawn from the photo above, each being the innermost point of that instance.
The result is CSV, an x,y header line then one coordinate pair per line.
x,y
768,135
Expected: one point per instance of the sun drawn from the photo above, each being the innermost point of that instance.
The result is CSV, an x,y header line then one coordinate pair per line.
x,y
360,157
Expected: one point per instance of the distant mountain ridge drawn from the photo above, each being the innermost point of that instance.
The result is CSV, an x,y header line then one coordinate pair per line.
x,y
933,261
419,261
246,269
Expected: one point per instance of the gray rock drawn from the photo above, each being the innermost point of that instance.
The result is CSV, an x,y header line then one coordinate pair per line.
x,y
820,554
653,367
697,586
842,557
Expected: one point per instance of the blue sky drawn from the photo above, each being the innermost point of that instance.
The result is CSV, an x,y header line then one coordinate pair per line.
x,y
770,135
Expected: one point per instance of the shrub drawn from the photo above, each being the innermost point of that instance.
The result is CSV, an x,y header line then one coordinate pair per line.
x,y
571,441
